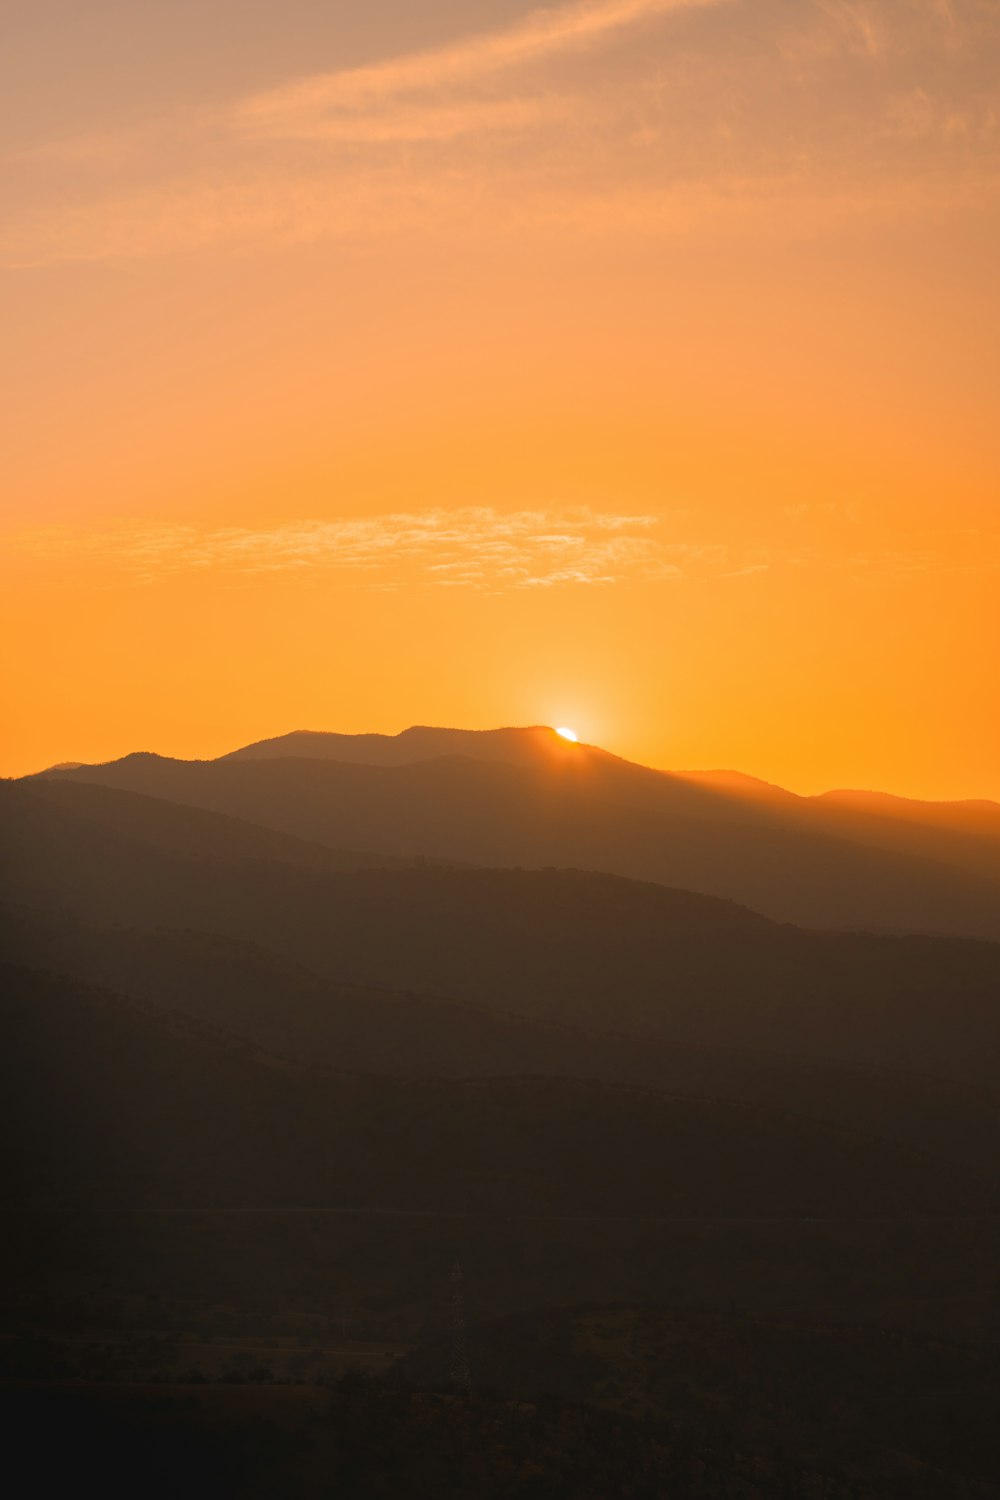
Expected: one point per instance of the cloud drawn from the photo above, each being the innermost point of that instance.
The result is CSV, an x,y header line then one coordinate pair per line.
x,y
239,211
295,108
381,102
475,547
717,138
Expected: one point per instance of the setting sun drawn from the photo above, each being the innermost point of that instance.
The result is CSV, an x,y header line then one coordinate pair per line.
x,y
568,734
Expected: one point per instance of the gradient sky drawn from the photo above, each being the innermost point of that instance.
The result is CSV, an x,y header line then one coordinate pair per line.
x,y
631,365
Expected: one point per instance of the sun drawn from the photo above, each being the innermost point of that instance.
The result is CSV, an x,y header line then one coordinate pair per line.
x,y
568,734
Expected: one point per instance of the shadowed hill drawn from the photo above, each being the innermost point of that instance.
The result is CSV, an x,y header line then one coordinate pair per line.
x,y
565,946
368,1440
268,1085
855,814
525,797
964,834
976,816
913,1416
288,1011
59,817
114,1105
517,747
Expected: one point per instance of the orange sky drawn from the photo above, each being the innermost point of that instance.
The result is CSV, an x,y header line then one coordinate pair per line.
x,y
631,365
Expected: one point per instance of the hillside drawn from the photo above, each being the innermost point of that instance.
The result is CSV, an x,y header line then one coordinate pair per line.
x,y
116,1106
525,797
285,1009
909,1414
724,1183
584,949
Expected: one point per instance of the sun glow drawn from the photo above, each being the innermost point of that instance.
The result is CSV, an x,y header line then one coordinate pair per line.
x,y
568,734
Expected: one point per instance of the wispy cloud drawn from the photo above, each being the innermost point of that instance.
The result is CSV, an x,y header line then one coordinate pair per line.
x,y
475,547
248,209
483,548
295,108
475,137
395,122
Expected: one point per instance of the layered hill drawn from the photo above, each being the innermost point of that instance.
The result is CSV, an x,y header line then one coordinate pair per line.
x,y
242,991
284,1036
255,1080
911,1415
528,798
113,1105
421,742
576,948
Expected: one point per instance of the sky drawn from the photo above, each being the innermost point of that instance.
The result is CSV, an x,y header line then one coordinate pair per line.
x,y
624,364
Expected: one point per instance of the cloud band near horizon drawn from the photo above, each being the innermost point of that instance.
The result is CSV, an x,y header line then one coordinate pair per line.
x,y
474,547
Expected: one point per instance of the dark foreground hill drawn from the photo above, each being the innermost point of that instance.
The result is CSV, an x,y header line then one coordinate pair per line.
x,y
116,1106
723,1191
525,797
358,1439
291,1012
900,1414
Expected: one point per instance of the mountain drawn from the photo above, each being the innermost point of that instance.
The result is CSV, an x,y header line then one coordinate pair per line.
x,y
117,1106
561,946
528,798
274,1106
518,747
241,990
59,817
699,1371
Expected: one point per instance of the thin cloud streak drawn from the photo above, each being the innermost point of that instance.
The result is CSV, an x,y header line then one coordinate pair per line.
x,y
286,111
372,104
431,143
389,126
476,547
291,210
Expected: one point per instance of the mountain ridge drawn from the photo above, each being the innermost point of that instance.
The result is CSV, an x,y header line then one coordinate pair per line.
x,y
813,862
420,742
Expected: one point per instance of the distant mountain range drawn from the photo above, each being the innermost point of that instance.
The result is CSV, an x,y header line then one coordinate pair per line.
x,y
360,964
526,797
287,1034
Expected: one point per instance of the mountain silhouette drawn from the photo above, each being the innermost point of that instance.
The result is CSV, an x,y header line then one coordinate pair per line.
x,y
287,1037
528,798
517,746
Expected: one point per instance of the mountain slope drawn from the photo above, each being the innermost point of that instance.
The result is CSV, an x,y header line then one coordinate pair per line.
x,y
112,1105
581,809
46,808
283,1009
518,747
590,950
